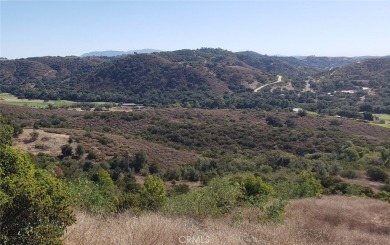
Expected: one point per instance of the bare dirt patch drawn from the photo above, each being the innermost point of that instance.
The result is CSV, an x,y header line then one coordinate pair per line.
x,y
45,142
287,87
118,108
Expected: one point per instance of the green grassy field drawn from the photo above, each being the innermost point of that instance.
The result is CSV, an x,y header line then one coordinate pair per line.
x,y
6,96
10,99
385,117
382,117
312,113
381,125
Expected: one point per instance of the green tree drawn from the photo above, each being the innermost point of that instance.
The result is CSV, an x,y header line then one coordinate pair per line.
x,y
80,150
349,152
154,193
273,121
34,206
66,150
302,113
385,156
155,167
290,123
18,129
108,188
368,116
6,133
139,161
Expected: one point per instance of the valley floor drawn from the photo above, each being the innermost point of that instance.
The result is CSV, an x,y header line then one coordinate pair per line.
x,y
326,220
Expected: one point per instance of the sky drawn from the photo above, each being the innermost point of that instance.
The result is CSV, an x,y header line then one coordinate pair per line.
x,y
69,27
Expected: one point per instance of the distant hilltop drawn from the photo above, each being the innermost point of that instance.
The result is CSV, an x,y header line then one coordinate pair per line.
x,y
112,53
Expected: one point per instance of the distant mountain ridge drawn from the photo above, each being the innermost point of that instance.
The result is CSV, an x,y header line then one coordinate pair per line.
x,y
113,53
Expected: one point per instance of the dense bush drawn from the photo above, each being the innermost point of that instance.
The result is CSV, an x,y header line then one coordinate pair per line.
x,y
34,207
377,174
154,194
273,121
66,150
89,196
302,113
80,150
6,134
104,140
178,189
290,123
139,161
349,174
107,187
307,185
92,155
255,186
368,116
217,199
224,194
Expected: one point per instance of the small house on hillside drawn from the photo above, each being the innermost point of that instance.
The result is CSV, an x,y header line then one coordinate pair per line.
x,y
297,110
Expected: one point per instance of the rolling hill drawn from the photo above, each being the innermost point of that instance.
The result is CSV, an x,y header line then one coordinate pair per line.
x,y
166,78
208,78
375,70
368,82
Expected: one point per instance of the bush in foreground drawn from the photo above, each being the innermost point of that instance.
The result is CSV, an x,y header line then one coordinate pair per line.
x,y
34,206
227,195
307,185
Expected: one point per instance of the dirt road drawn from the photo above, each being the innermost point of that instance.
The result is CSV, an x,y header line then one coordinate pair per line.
x,y
278,81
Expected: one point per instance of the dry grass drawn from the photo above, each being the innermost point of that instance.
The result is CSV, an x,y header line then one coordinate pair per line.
x,y
364,181
342,220
51,142
330,220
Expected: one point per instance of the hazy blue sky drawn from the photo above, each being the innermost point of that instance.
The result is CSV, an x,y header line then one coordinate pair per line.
x,y
332,28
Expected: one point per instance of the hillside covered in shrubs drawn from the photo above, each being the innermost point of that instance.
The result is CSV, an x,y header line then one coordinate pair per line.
x,y
206,78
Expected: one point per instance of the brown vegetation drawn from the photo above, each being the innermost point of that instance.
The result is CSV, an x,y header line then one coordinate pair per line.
x,y
215,128
117,144
76,119
329,220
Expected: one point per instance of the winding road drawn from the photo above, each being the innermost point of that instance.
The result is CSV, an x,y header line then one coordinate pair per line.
x,y
278,81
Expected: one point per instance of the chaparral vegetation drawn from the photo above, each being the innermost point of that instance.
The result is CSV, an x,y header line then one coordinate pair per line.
x,y
202,144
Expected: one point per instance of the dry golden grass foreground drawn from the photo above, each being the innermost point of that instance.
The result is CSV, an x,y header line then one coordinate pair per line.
x,y
329,220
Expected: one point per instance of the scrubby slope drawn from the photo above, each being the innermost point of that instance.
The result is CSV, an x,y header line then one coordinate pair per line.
x,y
164,78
